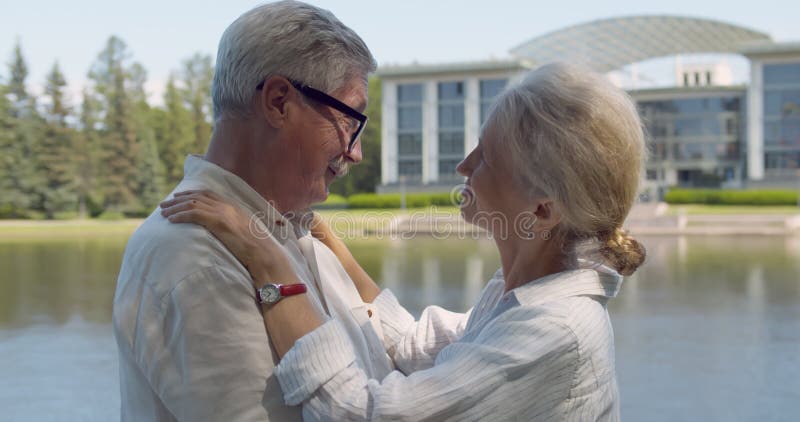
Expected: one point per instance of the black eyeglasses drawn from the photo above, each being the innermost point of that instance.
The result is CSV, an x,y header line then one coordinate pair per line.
x,y
326,99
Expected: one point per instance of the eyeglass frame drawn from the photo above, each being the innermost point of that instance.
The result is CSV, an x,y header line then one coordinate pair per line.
x,y
330,101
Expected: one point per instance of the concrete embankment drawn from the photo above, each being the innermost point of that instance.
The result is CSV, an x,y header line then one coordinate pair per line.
x,y
644,219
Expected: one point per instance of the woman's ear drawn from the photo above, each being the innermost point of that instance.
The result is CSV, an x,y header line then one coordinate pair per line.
x,y
547,213
274,100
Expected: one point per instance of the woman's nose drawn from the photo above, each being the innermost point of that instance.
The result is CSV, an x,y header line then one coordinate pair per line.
x,y
464,168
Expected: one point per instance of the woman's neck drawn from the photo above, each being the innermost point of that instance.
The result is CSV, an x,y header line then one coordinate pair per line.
x,y
526,260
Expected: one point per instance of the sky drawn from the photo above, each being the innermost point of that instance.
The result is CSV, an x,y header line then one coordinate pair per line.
x,y
160,34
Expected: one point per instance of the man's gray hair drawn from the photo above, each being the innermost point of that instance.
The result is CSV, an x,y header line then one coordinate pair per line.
x,y
286,38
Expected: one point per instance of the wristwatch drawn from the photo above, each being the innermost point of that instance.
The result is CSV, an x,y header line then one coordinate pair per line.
x,y
272,293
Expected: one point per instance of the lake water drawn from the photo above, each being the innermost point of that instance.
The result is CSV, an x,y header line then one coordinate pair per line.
x,y
708,329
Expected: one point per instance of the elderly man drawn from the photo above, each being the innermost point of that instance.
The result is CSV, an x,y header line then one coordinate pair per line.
x,y
289,90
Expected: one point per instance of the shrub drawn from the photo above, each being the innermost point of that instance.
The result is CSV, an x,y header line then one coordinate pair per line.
x,y
731,197
393,200
334,202
111,216
65,215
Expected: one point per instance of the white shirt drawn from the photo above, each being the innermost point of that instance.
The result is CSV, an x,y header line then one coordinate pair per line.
x,y
543,351
191,337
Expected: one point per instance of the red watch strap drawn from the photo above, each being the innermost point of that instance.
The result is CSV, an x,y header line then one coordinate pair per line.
x,y
293,289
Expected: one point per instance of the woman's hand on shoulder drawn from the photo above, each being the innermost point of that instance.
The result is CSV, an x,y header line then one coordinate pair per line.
x,y
235,227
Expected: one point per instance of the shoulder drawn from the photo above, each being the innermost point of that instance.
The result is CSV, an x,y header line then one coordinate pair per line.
x,y
544,328
161,255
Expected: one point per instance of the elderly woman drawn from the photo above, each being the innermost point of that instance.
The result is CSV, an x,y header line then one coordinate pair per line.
x,y
552,179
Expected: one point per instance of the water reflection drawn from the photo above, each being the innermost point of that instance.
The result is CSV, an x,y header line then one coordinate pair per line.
x,y
50,282
707,329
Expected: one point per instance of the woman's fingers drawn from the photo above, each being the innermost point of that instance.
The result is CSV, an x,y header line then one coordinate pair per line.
x,y
190,200
194,197
167,210
199,192
193,216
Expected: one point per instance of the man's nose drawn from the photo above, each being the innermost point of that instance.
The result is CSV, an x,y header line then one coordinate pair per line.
x,y
355,155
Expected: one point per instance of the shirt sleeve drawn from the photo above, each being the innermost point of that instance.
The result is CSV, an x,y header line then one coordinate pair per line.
x,y
216,362
414,344
521,365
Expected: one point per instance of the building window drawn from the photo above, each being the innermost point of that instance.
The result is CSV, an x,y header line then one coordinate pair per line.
x,y
781,118
410,170
451,126
409,144
489,90
688,152
451,143
785,73
409,131
447,169
783,163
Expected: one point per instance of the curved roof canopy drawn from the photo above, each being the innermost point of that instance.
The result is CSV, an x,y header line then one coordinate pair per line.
x,y
610,44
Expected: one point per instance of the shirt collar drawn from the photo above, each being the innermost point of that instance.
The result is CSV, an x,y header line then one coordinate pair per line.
x,y
209,175
591,279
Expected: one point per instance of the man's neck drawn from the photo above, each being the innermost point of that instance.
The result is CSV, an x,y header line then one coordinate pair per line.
x,y
233,147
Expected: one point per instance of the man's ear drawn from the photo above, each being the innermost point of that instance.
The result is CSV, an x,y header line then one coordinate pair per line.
x,y
274,100
547,213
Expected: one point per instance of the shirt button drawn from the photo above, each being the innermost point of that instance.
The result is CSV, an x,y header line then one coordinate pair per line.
x,y
369,313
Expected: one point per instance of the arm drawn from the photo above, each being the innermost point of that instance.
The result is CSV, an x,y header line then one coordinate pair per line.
x,y
215,361
367,288
521,364
412,344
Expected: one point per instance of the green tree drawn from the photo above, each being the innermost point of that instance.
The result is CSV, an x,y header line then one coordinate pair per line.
x,y
54,151
22,128
87,156
367,175
11,199
149,167
118,133
174,132
196,76
19,73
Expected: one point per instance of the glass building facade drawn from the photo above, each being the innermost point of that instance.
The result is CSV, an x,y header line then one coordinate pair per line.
x,y
781,83
708,127
697,139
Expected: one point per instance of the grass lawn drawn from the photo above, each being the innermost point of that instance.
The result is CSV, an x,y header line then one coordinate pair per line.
x,y
37,229
342,221
696,209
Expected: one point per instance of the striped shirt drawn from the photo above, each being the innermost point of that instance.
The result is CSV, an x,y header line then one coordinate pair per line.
x,y
543,351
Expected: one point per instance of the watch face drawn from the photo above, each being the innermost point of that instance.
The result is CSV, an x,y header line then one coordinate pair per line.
x,y
270,293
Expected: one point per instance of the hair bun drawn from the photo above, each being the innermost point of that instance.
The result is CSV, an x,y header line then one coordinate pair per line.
x,y
624,253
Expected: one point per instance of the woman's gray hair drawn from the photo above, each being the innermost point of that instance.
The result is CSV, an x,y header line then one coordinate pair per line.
x,y
573,136
287,38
